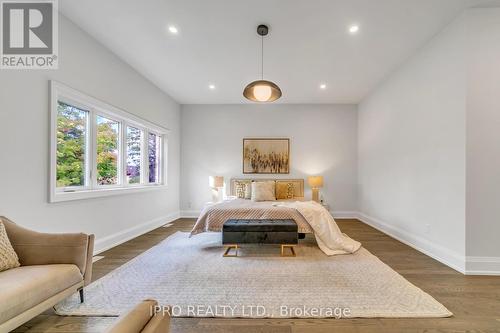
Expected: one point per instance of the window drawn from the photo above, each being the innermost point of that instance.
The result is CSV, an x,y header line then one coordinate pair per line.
x,y
99,150
154,158
107,137
134,155
72,130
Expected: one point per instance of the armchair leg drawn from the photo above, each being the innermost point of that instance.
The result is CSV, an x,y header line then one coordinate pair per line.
x,y
82,297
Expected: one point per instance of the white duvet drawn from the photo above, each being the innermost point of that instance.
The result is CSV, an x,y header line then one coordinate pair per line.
x,y
328,235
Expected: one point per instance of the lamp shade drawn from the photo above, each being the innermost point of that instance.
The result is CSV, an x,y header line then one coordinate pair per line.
x,y
218,181
262,91
315,181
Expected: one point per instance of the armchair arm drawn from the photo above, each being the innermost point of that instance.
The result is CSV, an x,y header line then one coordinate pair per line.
x,y
145,317
87,274
36,248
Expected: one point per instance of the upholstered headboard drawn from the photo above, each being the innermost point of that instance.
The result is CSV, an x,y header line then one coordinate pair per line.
x,y
296,184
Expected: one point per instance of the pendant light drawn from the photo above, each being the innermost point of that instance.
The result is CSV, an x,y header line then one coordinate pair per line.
x,y
262,90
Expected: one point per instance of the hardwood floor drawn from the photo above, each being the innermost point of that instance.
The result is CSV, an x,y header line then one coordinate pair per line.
x,y
474,300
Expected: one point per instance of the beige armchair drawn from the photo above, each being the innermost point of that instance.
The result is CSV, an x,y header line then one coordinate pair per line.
x,y
53,267
143,318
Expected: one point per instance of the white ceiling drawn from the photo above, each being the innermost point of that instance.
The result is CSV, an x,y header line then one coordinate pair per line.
x,y
308,43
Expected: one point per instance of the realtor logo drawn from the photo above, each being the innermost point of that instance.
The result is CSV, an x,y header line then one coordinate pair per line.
x,y
29,34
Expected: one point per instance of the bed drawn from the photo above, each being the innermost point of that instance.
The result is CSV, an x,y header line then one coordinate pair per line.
x,y
310,216
213,216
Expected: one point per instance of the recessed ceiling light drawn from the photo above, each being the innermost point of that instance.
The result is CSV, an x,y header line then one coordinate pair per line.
x,y
322,86
211,86
173,29
354,29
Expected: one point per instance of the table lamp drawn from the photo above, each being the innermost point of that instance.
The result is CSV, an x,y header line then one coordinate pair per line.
x,y
218,184
316,182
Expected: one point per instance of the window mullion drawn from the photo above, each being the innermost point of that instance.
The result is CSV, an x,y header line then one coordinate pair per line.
x,y
93,149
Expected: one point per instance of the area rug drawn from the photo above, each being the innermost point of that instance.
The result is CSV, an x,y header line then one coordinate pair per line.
x,y
191,275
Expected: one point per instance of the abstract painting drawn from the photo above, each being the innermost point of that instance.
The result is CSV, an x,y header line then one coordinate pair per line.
x,y
266,156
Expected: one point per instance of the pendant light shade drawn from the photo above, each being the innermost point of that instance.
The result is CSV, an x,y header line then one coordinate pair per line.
x,y
262,90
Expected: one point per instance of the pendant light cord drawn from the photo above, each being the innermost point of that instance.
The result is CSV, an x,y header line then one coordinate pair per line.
x,y
262,58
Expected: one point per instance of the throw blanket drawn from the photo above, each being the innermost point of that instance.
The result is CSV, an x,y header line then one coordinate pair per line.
x,y
212,217
328,235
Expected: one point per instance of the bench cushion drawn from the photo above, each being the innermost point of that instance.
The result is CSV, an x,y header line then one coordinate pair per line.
x,y
259,232
23,287
260,225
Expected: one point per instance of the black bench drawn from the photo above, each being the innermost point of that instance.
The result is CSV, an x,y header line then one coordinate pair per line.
x,y
240,231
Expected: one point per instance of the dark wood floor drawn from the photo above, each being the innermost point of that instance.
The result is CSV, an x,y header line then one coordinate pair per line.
x,y
474,300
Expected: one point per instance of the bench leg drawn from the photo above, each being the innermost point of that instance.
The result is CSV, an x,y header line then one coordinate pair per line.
x,y
292,250
228,249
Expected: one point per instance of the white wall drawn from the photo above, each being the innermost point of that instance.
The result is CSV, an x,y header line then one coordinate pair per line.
x,y
323,140
483,141
412,150
24,143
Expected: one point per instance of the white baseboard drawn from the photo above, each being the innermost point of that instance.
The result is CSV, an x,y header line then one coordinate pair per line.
x,y
190,214
438,252
482,266
344,214
108,242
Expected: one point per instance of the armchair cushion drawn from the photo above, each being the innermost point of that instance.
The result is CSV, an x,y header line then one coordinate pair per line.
x,y
8,257
23,287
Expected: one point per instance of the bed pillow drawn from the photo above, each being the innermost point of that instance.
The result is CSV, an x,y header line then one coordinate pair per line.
x,y
285,190
264,191
248,191
242,189
8,257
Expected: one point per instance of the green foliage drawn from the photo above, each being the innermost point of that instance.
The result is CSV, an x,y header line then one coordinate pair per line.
x,y
71,141
107,153
71,124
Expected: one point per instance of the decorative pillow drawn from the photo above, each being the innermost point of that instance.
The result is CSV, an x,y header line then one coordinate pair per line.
x,y
242,189
239,189
264,191
8,257
285,190
248,191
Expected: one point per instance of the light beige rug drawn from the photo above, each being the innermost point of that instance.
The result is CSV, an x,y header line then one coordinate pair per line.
x,y
192,275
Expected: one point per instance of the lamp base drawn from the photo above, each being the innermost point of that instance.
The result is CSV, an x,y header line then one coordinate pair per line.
x,y
315,194
217,194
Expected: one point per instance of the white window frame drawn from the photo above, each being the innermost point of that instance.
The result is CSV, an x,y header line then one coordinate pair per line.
x,y
95,107
109,116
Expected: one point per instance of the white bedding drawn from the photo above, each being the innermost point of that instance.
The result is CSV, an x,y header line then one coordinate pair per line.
x,y
328,235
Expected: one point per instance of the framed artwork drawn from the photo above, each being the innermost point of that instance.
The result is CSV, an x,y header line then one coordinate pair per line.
x,y
269,156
